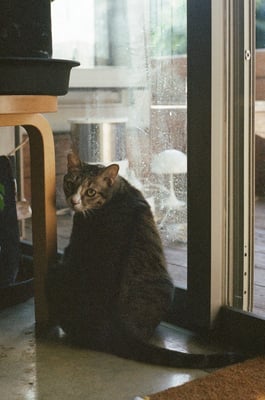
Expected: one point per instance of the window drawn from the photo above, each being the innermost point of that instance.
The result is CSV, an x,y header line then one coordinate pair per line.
x,y
73,31
129,93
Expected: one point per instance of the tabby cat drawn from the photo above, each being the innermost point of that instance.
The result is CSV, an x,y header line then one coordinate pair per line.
x,y
112,288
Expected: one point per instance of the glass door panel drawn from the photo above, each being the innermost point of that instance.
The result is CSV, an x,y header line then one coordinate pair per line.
x,y
127,103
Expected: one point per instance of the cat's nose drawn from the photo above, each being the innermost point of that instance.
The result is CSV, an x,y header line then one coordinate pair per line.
x,y
74,201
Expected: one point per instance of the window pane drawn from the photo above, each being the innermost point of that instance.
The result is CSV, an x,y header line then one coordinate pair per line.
x,y
73,30
131,106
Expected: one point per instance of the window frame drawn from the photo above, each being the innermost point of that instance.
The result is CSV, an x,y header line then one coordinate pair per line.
x,y
188,311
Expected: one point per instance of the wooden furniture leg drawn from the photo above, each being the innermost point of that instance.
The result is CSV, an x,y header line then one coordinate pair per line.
x,y
43,210
43,203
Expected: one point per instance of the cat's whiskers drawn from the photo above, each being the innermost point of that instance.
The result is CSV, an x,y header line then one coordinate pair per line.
x,y
85,213
88,212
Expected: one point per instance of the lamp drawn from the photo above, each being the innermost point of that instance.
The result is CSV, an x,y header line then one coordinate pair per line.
x,y
170,162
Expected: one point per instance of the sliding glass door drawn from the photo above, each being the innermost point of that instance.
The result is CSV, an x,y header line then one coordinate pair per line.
x,y
241,318
225,279
127,102
166,88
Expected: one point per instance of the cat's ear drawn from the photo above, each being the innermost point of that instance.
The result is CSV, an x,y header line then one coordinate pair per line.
x,y
110,174
73,161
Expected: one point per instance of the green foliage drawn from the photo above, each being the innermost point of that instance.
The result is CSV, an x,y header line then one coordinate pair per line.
x,y
169,23
168,28
260,24
2,193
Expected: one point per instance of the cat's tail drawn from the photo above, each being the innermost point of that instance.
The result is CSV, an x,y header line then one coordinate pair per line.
x,y
149,353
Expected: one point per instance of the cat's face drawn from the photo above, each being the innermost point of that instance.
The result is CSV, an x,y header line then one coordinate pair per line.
x,y
88,186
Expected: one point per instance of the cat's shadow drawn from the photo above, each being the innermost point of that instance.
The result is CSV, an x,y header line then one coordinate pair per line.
x,y
166,336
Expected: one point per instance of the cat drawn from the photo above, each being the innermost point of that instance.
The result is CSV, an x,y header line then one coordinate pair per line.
x,y
112,288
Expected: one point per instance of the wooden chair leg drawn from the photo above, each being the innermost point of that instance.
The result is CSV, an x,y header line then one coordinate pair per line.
x,y
43,203
43,210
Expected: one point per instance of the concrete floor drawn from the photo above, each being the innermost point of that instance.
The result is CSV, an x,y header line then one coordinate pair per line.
x,y
40,370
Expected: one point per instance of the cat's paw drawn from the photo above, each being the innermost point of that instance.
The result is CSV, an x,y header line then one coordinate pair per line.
x,y
54,333
141,398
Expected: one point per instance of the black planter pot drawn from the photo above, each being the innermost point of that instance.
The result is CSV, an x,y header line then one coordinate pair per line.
x,y
26,66
33,76
25,28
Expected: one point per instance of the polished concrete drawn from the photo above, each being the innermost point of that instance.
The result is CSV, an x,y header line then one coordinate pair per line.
x,y
42,370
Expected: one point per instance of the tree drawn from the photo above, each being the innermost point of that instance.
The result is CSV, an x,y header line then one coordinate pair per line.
x,y
260,24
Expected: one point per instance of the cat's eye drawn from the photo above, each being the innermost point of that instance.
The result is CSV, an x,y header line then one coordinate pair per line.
x,y
69,184
90,192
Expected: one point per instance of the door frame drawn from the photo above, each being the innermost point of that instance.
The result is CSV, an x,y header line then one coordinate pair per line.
x,y
220,142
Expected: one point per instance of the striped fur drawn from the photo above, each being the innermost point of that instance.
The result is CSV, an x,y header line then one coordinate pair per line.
x,y
112,288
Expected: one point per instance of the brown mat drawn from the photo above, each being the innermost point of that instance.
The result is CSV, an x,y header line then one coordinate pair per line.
x,y
243,381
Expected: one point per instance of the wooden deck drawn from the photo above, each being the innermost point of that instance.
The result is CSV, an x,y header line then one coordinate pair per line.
x,y
259,259
177,256
177,261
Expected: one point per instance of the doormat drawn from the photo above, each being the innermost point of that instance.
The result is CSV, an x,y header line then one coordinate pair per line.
x,y
243,381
